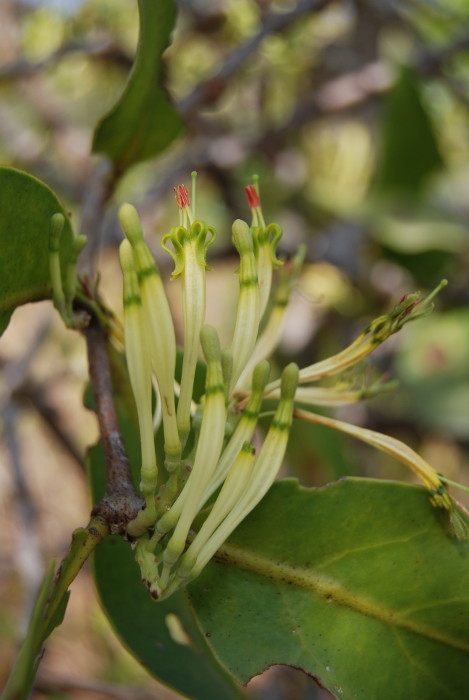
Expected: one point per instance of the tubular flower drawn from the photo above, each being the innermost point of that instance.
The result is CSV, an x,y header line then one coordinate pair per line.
x,y
139,367
208,444
158,329
265,240
247,316
190,243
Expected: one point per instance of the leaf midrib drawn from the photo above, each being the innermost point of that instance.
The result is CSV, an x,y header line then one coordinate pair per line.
x,y
329,589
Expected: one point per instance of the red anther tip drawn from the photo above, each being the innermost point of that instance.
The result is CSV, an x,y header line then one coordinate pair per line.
x,y
182,196
253,197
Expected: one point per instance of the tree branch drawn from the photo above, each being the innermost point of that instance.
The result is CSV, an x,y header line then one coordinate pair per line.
x,y
102,50
210,90
121,501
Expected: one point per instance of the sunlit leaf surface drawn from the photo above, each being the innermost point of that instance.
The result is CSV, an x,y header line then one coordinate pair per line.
x,y
357,583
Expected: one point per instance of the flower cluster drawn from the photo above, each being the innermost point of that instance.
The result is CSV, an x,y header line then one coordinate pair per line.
x,y
209,453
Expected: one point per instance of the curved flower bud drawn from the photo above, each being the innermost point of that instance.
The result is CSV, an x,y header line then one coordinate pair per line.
x,y
408,309
189,254
439,497
231,492
243,431
270,337
208,451
247,316
262,474
158,330
139,367
337,396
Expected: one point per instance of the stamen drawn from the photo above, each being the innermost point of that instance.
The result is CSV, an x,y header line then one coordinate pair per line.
x,y
253,196
182,196
184,203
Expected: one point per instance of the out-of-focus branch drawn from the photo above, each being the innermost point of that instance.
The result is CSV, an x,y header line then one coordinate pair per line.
x,y
27,549
97,195
33,393
210,90
52,684
102,50
121,502
345,93
430,61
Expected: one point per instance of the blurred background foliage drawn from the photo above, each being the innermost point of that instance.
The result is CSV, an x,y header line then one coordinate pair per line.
x,y
355,115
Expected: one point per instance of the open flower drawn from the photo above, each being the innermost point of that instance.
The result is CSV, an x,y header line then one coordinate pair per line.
x,y
209,452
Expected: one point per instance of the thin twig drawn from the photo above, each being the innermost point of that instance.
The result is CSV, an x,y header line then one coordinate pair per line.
x,y
33,393
102,50
28,557
121,502
97,195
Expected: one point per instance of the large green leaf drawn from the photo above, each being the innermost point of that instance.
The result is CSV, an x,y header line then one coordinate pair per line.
x,y
409,149
144,121
356,583
26,206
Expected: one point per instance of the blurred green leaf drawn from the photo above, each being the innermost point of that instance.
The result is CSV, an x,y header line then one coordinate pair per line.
x,y
426,231
324,579
27,205
410,150
144,121
433,370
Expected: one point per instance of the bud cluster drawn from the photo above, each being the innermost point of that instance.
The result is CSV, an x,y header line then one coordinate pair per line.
x,y
209,450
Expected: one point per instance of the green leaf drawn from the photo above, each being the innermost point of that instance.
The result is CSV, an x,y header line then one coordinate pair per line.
x,y
27,205
144,121
163,636
171,648
410,150
356,583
